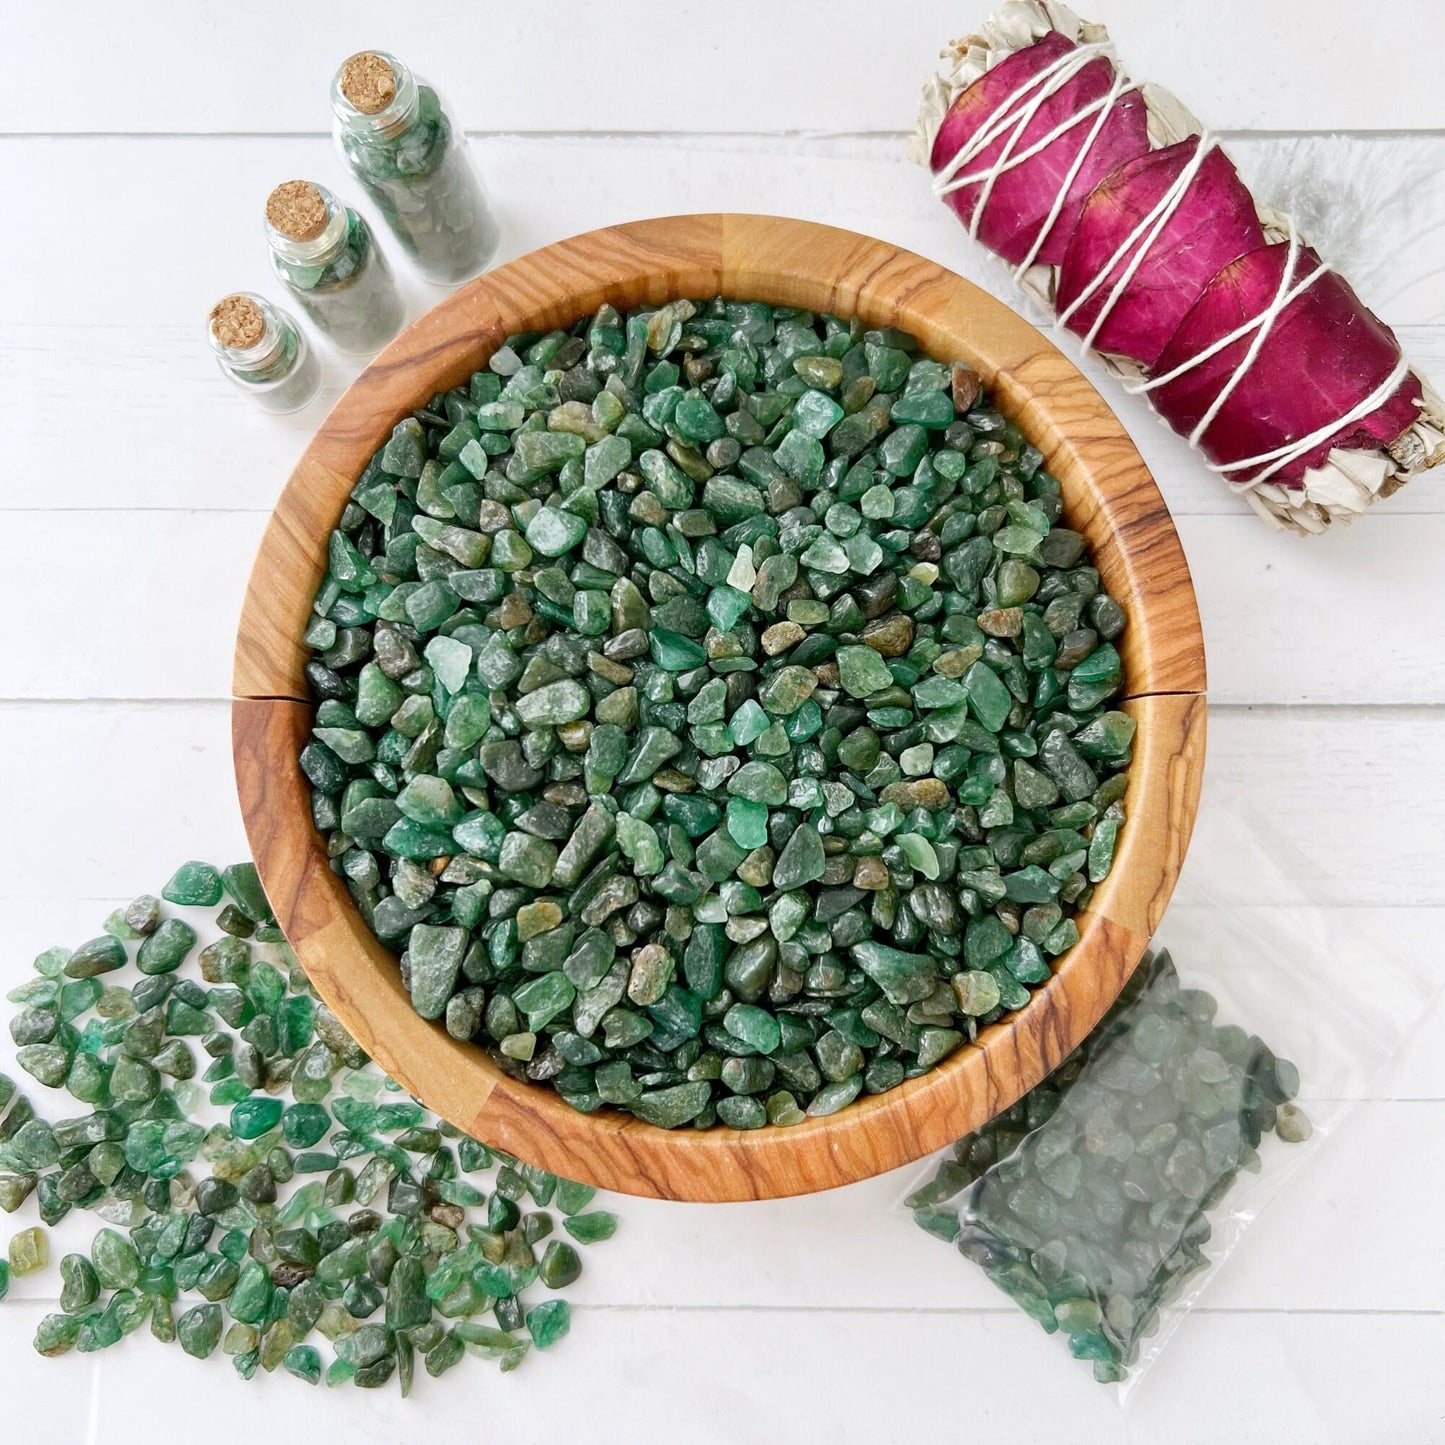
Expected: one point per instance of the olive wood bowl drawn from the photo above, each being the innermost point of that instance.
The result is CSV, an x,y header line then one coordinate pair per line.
x,y
1108,495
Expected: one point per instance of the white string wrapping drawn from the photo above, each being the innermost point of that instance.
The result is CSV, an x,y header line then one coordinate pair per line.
x,y
1012,117
1261,325
1140,241
1047,83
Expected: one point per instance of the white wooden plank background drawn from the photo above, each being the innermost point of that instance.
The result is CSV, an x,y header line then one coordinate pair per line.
x,y
157,130
753,65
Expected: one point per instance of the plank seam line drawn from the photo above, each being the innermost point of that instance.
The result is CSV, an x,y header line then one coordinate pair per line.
x,y
1368,133
16,1302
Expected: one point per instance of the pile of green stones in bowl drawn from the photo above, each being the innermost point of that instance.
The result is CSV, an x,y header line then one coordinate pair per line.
x,y
713,711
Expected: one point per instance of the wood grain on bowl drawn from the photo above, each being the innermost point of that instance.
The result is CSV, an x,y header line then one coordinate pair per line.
x,y
1108,496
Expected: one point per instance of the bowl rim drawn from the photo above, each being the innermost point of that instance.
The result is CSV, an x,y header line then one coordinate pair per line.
x,y
1109,496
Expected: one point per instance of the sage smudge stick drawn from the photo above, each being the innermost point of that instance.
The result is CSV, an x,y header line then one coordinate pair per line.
x,y
1118,211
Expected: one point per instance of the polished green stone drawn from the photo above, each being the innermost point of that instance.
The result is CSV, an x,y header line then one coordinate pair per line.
x,y
253,1117
1076,779
862,672
801,456
1032,788
824,371
903,976
555,704
542,999
15,1189
97,956
561,1265
196,884
839,1058
935,1045
1110,737
28,1252
435,954
653,747
988,699
243,885
825,555
931,409
199,1330
725,607
834,1096
554,531
801,861
986,940
903,449
668,1108
547,1323
591,1228
1102,843
786,691
303,1361
639,842
759,782
673,652
430,803
754,1026
814,413
527,860
919,853
164,950
747,823
250,1300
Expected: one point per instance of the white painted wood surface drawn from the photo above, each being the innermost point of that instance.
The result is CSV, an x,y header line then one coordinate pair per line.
x,y
758,65
136,145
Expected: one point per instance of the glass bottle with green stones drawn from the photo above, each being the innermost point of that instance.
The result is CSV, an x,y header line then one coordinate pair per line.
x,y
261,349
326,256
399,142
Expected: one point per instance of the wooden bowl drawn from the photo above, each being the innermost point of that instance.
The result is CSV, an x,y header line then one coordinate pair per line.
x,y
1108,496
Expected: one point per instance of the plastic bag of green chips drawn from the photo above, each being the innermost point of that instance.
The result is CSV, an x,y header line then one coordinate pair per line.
x,y
1104,1201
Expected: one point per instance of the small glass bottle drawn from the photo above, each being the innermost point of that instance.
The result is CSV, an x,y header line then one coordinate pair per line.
x,y
326,256
399,143
263,351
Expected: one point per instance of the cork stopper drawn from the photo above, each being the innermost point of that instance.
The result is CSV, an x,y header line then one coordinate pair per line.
x,y
296,209
368,82
237,323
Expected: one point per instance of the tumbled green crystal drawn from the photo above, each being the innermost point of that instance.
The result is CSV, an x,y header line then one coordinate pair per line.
x,y
194,883
253,1117
547,1323
801,861
199,1330
56,1334
862,672
29,1252
117,1265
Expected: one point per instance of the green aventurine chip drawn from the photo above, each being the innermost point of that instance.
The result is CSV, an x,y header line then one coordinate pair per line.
x,y
713,716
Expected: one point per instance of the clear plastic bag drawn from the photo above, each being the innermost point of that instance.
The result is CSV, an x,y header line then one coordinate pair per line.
x,y
1105,1201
